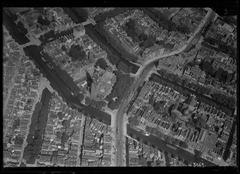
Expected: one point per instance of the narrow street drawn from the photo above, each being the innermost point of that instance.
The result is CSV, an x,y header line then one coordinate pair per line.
x,y
80,143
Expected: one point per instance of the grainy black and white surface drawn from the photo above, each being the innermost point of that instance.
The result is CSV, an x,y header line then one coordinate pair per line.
x,y
101,87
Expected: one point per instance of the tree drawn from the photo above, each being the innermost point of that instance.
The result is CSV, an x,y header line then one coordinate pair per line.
x,y
88,101
58,134
197,153
60,115
130,28
22,165
183,144
43,21
66,123
101,63
201,123
149,129
149,42
221,75
64,48
142,37
16,123
229,77
98,104
64,138
158,105
76,52
19,140
151,99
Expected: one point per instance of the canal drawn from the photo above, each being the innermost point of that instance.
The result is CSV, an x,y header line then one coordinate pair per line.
x,y
17,31
62,83
163,146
